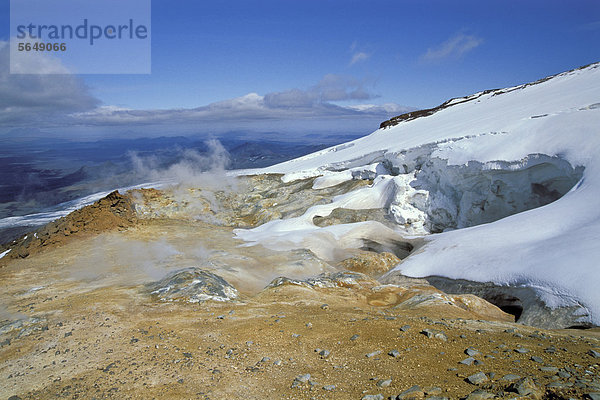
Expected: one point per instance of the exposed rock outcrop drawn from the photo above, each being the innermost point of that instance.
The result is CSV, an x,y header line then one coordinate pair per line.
x,y
193,285
522,302
114,211
405,294
327,280
417,294
256,200
347,216
371,263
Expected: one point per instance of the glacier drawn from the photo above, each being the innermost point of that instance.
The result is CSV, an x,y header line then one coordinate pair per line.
x,y
500,187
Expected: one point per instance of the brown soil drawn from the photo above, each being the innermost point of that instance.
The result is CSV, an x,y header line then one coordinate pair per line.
x,y
66,335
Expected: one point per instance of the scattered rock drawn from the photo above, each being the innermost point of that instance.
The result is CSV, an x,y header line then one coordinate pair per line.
x,y
522,350
472,352
526,387
477,378
433,391
304,378
414,392
373,397
300,380
564,374
510,377
594,353
479,394
384,383
394,353
467,361
324,353
432,333
109,367
559,385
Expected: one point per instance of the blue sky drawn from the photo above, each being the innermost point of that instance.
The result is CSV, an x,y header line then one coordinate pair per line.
x,y
313,63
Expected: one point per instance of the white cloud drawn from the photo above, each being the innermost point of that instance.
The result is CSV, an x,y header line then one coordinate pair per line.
x,y
455,47
389,108
358,57
357,54
330,89
29,99
591,26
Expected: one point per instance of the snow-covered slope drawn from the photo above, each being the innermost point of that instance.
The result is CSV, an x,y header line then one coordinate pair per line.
x,y
485,171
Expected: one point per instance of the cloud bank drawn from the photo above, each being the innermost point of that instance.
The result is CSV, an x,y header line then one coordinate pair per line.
x,y
317,101
61,101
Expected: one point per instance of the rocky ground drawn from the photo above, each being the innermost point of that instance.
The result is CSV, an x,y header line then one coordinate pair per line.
x,y
104,313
